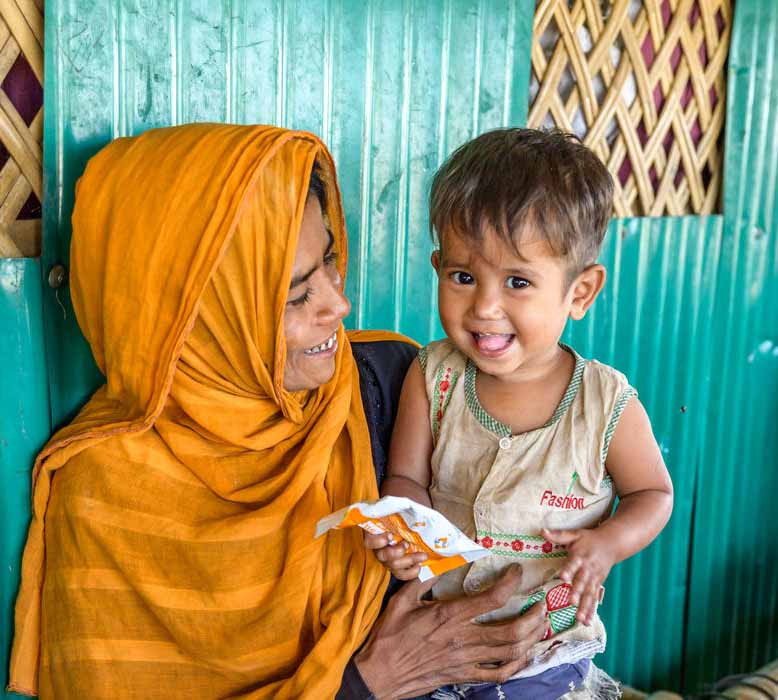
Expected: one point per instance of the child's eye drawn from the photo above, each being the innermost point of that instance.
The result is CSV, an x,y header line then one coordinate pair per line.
x,y
514,282
299,301
331,258
462,278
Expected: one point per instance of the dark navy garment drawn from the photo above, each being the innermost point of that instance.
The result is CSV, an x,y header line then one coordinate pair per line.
x,y
382,366
549,685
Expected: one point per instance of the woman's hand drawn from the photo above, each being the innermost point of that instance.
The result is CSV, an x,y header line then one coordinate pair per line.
x,y
589,561
394,556
418,645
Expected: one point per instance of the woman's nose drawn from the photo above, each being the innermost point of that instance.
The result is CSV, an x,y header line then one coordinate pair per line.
x,y
486,304
335,306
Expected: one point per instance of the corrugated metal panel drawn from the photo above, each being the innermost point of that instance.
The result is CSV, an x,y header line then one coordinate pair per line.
x,y
652,321
733,599
24,423
391,86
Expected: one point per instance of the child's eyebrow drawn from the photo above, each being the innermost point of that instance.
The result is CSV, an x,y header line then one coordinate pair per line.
x,y
525,272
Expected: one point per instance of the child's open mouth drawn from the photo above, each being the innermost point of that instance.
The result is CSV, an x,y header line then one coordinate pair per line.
x,y
492,344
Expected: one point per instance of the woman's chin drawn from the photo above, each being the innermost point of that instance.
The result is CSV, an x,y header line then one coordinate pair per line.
x,y
319,371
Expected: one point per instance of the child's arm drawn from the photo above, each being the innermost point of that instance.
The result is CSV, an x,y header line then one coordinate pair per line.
x,y
645,492
408,473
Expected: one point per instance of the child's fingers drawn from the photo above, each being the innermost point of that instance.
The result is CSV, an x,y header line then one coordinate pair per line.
x,y
569,571
579,586
587,606
389,554
376,541
560,536
407,574
407,561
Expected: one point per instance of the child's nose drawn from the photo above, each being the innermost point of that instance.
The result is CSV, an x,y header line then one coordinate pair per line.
x,y
487,304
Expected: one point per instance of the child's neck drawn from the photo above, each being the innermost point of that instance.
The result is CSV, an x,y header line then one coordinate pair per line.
x,y
527,399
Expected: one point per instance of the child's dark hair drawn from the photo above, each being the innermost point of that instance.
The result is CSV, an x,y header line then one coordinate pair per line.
x,y
514,180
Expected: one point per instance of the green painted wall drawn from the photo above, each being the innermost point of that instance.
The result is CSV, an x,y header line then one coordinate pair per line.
x,y
24,422
691,308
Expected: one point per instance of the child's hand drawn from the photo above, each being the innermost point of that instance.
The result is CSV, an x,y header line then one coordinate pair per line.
x,y
393,556
589,562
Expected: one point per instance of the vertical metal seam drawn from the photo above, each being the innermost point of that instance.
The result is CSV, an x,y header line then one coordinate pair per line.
x,y
281,38
445,57
366,170
116,50
173,45
229,59
510,39
329,73
479,37
403,191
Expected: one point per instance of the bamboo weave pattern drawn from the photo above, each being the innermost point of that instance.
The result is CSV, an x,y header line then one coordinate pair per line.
x,y
21,126
642,83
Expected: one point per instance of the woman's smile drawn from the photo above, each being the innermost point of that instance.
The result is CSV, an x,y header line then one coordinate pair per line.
x,y
326,349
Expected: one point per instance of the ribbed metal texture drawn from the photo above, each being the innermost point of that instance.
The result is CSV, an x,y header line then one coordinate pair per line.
x,y
653,322
391,86
733,598
690,312
24,423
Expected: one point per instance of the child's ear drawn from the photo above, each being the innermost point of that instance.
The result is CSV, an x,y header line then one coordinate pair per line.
x,y
435,260
585,289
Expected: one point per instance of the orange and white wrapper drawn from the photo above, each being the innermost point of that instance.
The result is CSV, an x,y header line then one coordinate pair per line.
x,y
424,529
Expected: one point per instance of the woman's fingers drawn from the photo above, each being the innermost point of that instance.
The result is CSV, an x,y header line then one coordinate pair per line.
x,y
468,608
437,642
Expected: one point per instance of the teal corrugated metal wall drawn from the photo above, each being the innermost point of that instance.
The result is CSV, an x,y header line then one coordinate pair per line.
x,y
690,312
24,421
653,321
733,598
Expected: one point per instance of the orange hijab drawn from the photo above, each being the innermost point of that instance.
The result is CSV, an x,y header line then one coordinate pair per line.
x,y
171,549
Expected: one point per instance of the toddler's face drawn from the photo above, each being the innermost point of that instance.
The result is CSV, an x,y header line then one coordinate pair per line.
x,y
506,311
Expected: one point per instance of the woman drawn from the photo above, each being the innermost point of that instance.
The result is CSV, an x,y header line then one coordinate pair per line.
x,y
171,552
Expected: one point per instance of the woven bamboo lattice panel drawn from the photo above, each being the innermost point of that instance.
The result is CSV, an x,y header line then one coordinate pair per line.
x,y
642,83
21,126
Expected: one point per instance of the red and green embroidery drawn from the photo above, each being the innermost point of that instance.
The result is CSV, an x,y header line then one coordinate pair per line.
x,y
520,546
445,381
561,614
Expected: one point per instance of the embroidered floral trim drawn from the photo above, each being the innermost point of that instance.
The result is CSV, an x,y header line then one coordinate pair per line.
x,y
520,546
445,381
498,427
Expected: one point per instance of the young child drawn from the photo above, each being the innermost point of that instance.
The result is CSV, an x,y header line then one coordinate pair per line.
x,y
518,440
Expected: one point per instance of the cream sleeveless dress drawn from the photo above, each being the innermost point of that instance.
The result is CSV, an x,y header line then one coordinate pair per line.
x,y
501,489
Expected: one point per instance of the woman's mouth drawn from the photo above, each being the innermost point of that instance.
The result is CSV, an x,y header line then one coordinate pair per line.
x,y
492,344
325,349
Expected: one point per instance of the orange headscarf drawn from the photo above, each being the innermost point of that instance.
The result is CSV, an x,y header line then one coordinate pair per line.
x,y
171,549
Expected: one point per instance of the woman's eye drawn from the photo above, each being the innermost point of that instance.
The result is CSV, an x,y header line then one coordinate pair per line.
x,y
331,258
299,301
516,283
462,278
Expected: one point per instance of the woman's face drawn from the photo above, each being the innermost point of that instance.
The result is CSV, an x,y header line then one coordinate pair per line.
x,y
315,305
